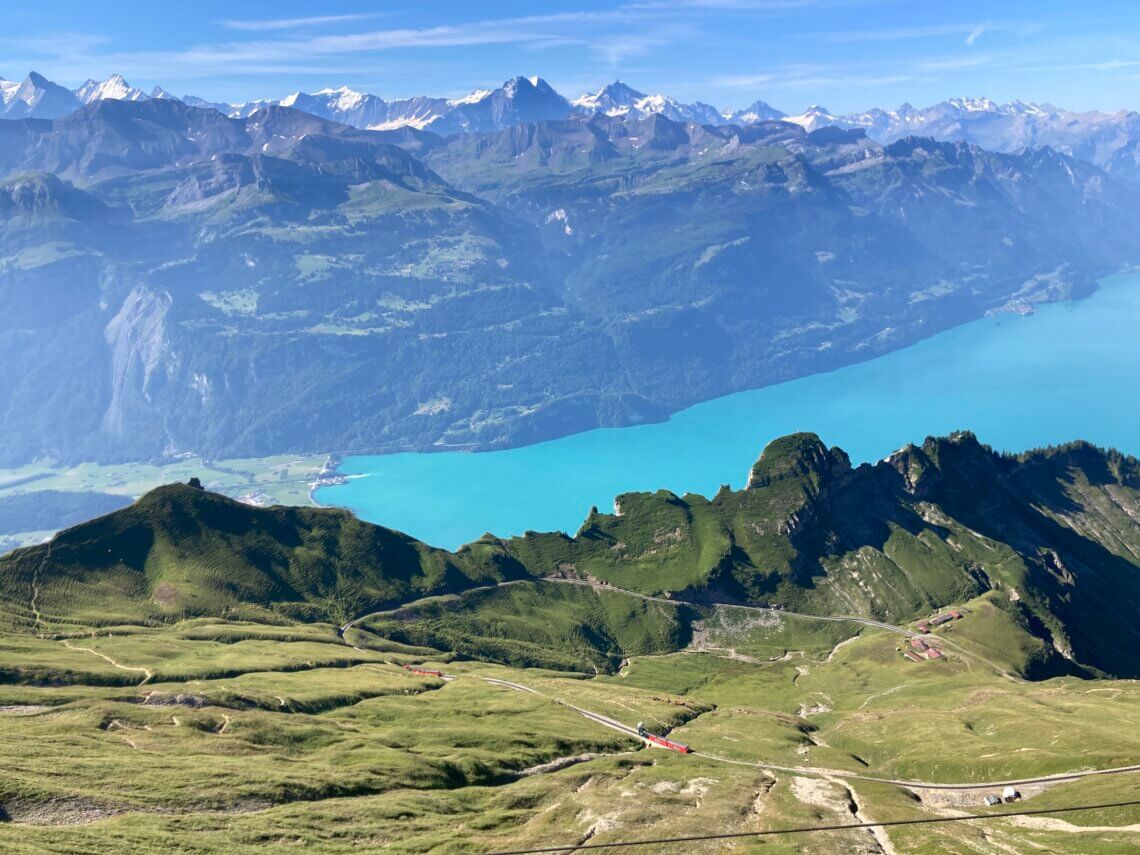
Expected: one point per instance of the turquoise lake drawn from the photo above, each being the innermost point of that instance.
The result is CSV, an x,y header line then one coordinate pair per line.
x,y
1067,372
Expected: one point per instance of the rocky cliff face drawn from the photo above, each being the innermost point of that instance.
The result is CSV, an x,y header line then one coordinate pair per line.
x,y
139,347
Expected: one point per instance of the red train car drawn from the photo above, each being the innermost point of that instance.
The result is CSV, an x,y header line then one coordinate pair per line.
x,y
668,743
662,741
423,672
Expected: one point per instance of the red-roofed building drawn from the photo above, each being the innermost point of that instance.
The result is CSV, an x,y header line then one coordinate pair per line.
x,y
934,653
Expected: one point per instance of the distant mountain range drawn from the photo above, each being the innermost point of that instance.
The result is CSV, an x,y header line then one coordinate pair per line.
x,y
179,280
1109,140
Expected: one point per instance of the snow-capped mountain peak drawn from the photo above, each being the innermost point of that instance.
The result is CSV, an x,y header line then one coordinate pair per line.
x,y
342,98
520,84
37,98
619,99
815,117
474,98
114,88
757,111
1108,140
973,105
7,90
612,99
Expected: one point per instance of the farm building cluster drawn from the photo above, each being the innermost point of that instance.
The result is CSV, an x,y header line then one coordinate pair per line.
x,y
921,648
925,626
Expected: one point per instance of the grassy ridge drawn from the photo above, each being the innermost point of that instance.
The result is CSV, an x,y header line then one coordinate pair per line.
x,y
180,551
534,625
1051,535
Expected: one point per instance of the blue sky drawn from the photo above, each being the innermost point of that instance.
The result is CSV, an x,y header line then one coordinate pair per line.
x,y
844,54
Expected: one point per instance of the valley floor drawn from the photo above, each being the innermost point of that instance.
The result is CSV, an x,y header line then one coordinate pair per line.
x,y
208,734
281,479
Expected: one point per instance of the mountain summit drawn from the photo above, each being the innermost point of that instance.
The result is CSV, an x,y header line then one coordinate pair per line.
x,y
37,98
618,99
113,88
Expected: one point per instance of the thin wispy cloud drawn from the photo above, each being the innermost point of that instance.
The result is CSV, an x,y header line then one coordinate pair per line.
x,y
968,31
58,44
815,49
954,63
975,33
616,49
810,77
292,23
748,5
606,33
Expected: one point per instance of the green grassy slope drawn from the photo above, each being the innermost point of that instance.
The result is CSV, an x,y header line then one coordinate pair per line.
x,y
531,624
182,551
1054,531
1050,537
286,751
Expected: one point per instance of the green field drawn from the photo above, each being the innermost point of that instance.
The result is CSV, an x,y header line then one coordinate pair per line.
x,y
209,734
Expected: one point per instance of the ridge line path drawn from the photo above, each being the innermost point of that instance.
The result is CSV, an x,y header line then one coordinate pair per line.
x,y
38,618
601,586
146,671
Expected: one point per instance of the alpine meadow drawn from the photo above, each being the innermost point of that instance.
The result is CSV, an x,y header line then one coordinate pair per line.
x,y
443,459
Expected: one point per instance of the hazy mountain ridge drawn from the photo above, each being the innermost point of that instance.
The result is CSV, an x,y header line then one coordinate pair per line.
x,y
1050,534
1109,140
212,278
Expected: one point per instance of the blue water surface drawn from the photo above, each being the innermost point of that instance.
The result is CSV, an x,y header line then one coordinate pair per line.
x,y
1067,372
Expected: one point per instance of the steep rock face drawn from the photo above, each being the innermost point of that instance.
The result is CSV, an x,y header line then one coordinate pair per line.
x,y
37,209
137,338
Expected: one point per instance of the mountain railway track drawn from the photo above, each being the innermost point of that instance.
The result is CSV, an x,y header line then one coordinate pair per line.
x,y
820,772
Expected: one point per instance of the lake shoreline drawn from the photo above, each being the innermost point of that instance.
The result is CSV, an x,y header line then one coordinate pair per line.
x,y
982,376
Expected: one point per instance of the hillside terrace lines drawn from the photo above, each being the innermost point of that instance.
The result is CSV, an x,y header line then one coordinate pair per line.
x,y
902,630
1044,780
507,681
